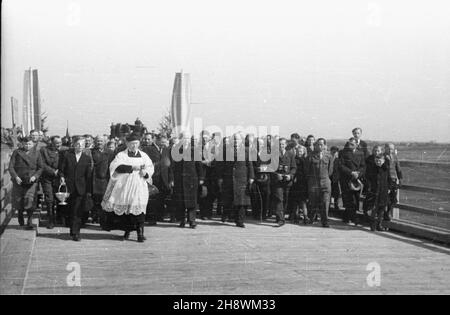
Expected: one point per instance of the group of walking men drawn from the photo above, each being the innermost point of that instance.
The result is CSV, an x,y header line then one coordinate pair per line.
x,y
231,173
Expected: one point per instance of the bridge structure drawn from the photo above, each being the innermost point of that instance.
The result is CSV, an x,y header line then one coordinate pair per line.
x,y
413,257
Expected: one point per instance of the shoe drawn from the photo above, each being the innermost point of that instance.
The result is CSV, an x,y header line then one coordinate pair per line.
x,y
379,228
29,224
50,225
240,225
140,233
126,235
192,225
76,238
182,224
346,221
306,221
224,219
21,222
281,223
325,225
373,227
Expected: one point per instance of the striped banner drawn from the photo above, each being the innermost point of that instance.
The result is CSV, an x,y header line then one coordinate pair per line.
x,y
181,103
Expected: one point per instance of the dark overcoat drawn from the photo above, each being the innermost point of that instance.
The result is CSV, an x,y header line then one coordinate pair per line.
x,y
100,175
349,162
377,181
235,175
161,160
186,177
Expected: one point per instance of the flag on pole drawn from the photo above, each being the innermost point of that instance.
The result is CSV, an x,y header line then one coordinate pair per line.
x,y
181,103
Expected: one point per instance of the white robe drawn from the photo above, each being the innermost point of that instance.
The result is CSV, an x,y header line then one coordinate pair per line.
x,y
128,193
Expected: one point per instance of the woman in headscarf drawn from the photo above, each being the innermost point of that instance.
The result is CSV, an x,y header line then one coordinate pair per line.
x,y
126,197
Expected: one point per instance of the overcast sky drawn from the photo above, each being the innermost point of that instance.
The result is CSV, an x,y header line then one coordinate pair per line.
x,y
320,67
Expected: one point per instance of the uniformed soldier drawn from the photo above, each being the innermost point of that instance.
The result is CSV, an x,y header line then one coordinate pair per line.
x,y
319,169
51,156
281,180
25,168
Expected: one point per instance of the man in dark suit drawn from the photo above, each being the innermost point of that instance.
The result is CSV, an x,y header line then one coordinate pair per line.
x,y
50,177
351,169
76,172
361,146
101,158
159,153
25,168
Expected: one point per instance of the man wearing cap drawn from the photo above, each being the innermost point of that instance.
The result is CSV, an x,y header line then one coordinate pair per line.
x,y
51,156
25,168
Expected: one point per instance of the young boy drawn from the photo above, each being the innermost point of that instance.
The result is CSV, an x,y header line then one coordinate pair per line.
x,y
377,179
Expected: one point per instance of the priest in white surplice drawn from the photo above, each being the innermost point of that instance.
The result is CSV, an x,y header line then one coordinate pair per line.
x,y
126,197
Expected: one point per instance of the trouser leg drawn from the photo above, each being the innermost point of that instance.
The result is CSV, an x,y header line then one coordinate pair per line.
x,y
191,212
277,201
324,206
76,214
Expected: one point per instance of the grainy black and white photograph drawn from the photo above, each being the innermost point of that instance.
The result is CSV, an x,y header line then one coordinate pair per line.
x,y
225,154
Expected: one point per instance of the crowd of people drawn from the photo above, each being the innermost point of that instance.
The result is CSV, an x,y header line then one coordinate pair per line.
x,y
122,183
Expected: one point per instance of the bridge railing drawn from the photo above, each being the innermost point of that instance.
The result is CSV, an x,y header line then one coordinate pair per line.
x,y
424,198
5,187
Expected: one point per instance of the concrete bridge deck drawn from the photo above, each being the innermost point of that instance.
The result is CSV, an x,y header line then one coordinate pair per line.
x,y
218,258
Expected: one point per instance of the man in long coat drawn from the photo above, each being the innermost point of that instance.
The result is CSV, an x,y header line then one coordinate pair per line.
x,y
159,153
352,167
101,157
25,168
188,174
236,174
